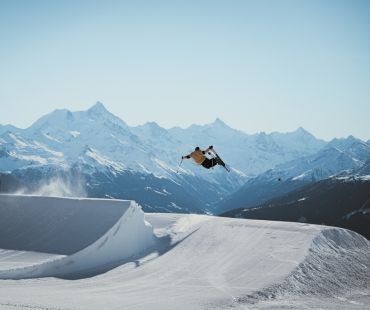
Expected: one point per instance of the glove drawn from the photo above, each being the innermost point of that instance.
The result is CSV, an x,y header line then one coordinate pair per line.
x,y
211,147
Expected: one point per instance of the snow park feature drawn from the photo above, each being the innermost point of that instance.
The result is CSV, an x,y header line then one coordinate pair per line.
x,y
86,235
71,253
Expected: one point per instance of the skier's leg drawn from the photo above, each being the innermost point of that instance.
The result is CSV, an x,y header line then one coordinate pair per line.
x,y
207,163
218,161
214,162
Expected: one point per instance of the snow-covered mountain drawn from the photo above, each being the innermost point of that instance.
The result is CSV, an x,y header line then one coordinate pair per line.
x,y
336,157
104,149
364,170
251,154
62,137
342,200
136,162
353,147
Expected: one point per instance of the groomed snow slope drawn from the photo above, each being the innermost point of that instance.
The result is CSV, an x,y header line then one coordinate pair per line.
x,y
202,262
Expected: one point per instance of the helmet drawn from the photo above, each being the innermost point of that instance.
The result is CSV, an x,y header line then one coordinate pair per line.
x,y
197,148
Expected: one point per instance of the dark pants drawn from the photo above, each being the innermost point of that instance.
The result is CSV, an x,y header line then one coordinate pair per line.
x,y
209,163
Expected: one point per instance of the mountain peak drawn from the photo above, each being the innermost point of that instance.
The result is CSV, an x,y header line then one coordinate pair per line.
x,y
59,117
219,123
149,129
152,125
98,107
352,138
8,127
302,131
100,113
345,141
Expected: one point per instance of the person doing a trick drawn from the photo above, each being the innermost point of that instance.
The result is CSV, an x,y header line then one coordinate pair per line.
x,y
199,157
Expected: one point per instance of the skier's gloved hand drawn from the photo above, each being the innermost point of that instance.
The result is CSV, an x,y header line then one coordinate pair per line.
x,y
211,147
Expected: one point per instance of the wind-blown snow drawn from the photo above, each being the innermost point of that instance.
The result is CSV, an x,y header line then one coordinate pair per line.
x,y
197,262
58,187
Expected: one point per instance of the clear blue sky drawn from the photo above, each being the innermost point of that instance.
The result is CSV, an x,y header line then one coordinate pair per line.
x,y
257,65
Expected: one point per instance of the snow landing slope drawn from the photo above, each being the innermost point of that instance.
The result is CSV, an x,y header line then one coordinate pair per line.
x,y
87,234
199,262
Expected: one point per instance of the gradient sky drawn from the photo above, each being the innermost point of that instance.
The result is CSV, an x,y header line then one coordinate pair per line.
x,y
257,65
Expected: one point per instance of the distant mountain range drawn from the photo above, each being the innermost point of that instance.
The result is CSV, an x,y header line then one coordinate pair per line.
x,y
335,157
98,151
342,201
62,137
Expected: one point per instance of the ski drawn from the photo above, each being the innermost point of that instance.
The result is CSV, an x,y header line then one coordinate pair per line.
x,y
222,163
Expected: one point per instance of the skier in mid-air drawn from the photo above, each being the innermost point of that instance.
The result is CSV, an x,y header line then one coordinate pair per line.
x,y
199,157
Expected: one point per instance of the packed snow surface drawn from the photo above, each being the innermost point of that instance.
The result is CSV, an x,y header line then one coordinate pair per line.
x,y
172,261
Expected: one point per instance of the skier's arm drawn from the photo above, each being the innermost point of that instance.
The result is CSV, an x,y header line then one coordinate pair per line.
x,y
209,148
186,157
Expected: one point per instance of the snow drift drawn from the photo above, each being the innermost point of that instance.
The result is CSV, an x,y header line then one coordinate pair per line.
x,y
88,234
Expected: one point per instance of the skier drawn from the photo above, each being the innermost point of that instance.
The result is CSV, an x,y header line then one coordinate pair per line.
x,y
199,157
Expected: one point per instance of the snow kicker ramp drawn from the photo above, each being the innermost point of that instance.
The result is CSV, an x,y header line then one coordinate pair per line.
x,y
50,236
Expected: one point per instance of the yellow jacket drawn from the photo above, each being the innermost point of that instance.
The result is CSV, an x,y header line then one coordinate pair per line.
x,y
198,156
